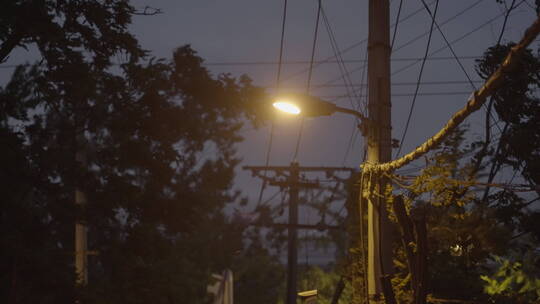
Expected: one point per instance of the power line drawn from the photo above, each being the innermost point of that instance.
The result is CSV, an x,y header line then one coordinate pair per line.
x,y
319,62
448,43
343,69
282,41
418,37
451,42
411,109
455,55
396,24
294,62
450,19
278,78
406,83
309,77
474,102
355,44
409,94
346,79
355,131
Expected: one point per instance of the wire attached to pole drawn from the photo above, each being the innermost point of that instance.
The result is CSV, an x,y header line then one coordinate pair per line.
x,y
310,73
278,82
418,81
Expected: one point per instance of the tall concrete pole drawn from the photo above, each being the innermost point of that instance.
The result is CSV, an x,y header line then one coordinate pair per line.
x,y
292,235
379,145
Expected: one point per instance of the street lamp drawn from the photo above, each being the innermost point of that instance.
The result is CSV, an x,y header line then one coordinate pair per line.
x,y
311,106
379,247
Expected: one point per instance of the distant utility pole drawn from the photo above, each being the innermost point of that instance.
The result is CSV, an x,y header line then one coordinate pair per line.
x,y
294,184
292,234
379,149
81,241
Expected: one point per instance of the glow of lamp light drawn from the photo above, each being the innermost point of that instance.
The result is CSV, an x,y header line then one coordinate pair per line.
x,y
287,107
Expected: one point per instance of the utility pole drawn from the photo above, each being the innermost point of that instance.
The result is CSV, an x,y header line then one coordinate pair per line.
x,y
81,241
292,235
294,184
379,148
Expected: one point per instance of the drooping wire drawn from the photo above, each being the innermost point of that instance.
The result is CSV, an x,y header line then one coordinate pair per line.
x,y
458,60
310,73
448,44
355,131
268,200
421,36
280,60
341,65
354,45
347,81
396,24
278,82
508,11
267,161
411,109
314,45
467,34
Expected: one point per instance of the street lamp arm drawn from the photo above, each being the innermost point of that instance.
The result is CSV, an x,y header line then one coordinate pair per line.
x,y
310,106
352,112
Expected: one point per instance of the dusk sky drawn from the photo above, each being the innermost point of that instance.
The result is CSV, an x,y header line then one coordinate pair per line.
x,y
240,32
244,31
249,31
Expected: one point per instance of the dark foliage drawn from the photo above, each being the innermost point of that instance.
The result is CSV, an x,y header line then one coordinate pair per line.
x,y
155,192
518,107
66,31
158,138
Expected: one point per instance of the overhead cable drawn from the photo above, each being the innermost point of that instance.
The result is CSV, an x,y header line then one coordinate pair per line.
x,y
476,100
315,35
467,34
343,69
278,79
411,109
419,36
394,34
355,44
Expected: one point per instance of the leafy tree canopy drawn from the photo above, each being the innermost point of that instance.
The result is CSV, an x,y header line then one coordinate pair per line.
x,y
158,141
66,31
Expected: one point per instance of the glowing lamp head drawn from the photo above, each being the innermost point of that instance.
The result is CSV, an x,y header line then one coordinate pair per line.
x,y
287,107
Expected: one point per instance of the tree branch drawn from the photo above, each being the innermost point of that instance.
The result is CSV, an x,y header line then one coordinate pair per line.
x,y
148,11
8,46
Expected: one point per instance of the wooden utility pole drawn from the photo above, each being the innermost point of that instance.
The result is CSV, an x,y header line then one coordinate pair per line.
x,y
292,235
81,242
294,184
379,147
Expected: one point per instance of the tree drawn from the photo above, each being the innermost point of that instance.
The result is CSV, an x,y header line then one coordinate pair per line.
x,y
156,194
515,282
68,31
471,218
462,235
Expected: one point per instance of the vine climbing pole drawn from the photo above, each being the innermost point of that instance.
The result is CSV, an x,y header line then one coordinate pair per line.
x,y
378,150
379,162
